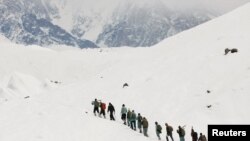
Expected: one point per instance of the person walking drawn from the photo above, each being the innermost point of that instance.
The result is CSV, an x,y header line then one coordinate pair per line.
x,y
129,115
139,122
145,126
194,135
169,130
133,120
96,106
123,114
181,133
111,111
103,108
158,129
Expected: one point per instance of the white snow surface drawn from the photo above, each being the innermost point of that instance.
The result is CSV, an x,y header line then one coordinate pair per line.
x,y
167,83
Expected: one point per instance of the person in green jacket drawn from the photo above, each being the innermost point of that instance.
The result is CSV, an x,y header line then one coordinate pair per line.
x,y
129,115
133,120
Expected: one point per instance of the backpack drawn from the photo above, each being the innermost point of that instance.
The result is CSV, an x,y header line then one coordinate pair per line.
x,y
170,128
182,132
103,106
159,128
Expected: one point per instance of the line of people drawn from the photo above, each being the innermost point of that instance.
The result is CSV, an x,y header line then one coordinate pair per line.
x,y
130,118
99,104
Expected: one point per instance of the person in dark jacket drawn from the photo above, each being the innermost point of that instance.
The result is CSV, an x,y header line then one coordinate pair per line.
x,y
169,130
129,115
145,126
96,106
181,133
158,129
202,137
111,111
194,135
139,122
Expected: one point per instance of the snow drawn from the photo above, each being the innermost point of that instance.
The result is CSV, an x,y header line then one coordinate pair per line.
x,y
167,83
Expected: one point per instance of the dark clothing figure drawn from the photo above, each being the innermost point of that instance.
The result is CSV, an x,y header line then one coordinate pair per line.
x,y
96,106
111,110
145,126
129,115
234,50
103,108
202,137
133,120
227,51
181,133
194,135
158,129
169,130
125,85
139,122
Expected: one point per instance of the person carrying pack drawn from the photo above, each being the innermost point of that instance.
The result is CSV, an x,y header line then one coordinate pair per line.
x,y
158,129
96,106
169,130
111,110
103,108
133,120
129,115
139,122
194,135
124,114
145,126
181,133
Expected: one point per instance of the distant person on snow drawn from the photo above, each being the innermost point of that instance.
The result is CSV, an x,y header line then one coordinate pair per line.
x,y
96,106
158,129
103,108
145,126
194,135
111,111
139,122
123,114
181,133
169,130
202,137
129,115
133,120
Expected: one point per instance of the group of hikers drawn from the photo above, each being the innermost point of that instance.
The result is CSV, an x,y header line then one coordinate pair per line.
x,y
130,118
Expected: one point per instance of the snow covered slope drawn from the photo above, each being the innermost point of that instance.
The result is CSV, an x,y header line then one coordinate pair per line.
x,y
167,83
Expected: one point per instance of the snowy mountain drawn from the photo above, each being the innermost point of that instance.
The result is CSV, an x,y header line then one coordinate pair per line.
x,y
167,83
126,22
29,22
112,23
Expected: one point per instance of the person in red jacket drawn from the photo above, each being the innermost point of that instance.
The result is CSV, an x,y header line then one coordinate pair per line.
x,y
103,108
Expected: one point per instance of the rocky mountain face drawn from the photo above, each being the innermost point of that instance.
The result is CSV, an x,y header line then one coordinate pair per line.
x,y
128,23
29,22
